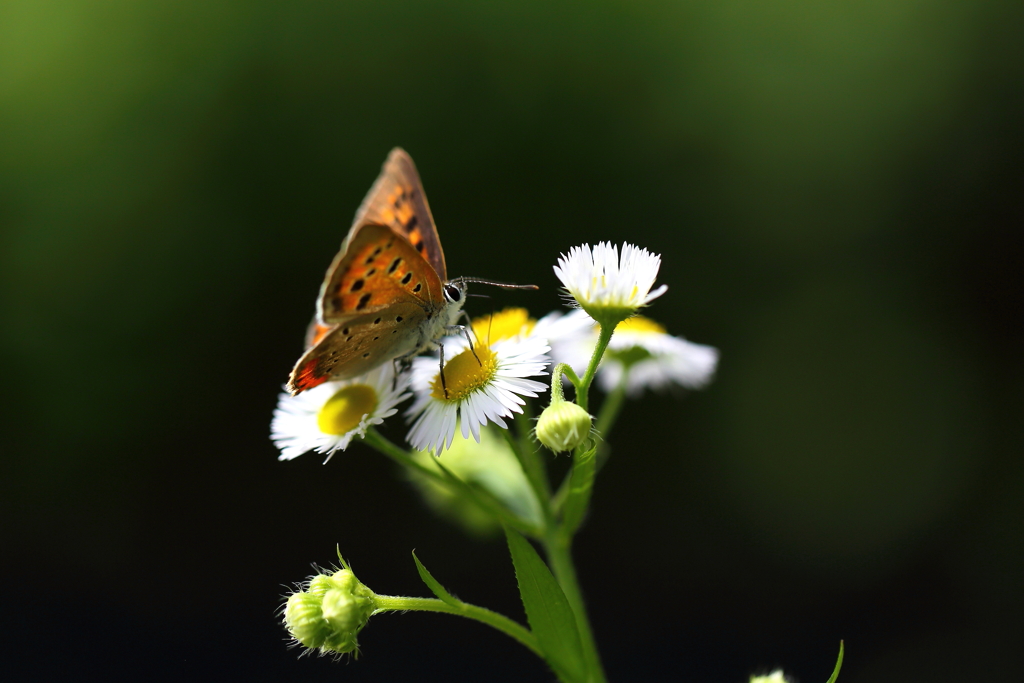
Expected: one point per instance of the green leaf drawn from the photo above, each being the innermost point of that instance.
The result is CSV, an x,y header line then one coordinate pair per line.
x,y
839,665
551,618
436,588
581,483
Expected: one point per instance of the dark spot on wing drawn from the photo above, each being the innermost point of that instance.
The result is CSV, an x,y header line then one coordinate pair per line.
x,y
394,264
411,224
417,288
398,319
366,355
357,285
345,331
370,272
363,300
377,321
407,278
420,246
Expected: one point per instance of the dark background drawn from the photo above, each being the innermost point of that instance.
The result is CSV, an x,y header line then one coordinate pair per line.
x,y
835,188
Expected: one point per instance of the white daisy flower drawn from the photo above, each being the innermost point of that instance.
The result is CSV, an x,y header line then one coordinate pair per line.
x,y
326,418
654,359
478,391
606,286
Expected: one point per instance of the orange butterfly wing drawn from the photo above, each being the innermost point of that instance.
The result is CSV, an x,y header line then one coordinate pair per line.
x,y
355,347
398,201
376,269
385,282
379,293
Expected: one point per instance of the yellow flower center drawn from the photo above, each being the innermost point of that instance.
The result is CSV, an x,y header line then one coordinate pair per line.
x,y
463,374
639,323
345,410
503,325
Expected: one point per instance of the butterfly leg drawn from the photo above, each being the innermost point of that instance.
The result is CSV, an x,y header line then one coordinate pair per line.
x,y
449,330
400,365
464,331
444,385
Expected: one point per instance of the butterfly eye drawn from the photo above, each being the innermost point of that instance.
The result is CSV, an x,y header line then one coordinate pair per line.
x,y
453,293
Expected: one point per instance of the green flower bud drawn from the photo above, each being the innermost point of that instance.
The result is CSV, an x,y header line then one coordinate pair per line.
x,y
305,621
563,426
330,613
319,585
774,677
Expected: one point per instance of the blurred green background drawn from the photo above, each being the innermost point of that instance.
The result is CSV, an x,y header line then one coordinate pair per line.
x,y
835,188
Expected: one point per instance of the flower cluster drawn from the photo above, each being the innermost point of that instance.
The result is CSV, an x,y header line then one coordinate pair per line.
x,y
328,611
475,451
488,381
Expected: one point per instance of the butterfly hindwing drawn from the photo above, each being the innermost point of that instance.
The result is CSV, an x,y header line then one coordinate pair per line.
x,y
397,200
357,346
376,270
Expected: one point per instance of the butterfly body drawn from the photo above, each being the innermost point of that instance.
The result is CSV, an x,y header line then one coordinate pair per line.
x,y
385,296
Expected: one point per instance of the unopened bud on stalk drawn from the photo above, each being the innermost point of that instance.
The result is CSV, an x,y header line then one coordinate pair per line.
x,y
330,613
563,426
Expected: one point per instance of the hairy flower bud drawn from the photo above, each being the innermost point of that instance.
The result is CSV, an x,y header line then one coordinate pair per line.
x,y
563,426
305,620
330,613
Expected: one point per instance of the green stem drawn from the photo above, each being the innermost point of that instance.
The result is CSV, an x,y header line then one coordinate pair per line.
x,y
558,500
388,603
557,548
535,472
583,388
557,393
557,541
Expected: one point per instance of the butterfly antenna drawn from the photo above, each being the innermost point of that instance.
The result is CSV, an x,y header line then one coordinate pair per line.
x,y
504,285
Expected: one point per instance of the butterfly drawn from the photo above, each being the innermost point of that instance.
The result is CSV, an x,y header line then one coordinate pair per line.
x,y
386,295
